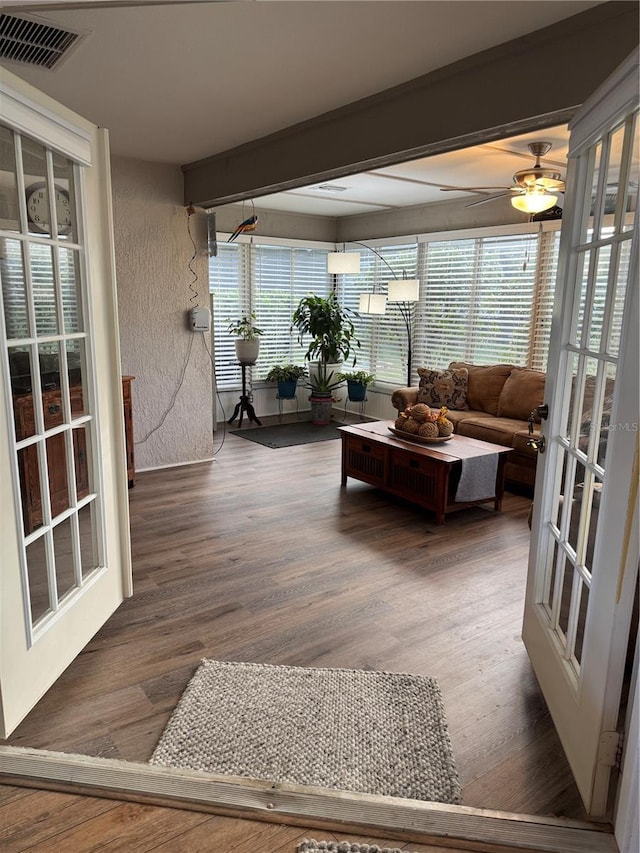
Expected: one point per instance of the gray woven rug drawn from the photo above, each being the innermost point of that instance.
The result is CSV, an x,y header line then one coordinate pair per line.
x,y
310,845
372,732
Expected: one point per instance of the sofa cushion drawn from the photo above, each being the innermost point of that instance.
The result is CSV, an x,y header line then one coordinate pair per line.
x,y
457,417
495,430
443,388
484,385
522,392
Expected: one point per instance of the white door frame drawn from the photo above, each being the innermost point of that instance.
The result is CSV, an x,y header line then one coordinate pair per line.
x,y
35,650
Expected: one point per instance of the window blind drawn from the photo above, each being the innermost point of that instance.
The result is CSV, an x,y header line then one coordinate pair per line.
x,y
486,300
270,280
383,338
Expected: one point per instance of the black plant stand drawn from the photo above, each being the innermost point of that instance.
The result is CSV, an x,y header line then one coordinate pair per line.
x,y
244,404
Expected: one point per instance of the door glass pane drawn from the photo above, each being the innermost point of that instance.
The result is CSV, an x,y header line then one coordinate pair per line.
x,y
612,189
70,283
564,604
76,368
592,188
621,286
34,163
574,516
605,420
57,469
586,259
21,385
49,360
550,578
14,294
29,468
80,445
599,297
65,209
593,525
63,550
631,204
88,538
588,403
9,210
582,619
37,577
44,290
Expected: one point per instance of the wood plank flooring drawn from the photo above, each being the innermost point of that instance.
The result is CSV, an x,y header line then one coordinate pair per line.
x,y
51,822
262,556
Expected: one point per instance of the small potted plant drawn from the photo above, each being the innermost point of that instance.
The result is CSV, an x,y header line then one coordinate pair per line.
x,y
248,338
322,383
357,383
286,375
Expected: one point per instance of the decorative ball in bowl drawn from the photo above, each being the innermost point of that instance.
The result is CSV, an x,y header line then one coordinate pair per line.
x,y
421,423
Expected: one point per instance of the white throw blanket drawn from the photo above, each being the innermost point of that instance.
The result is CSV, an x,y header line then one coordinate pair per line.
x,y
478,478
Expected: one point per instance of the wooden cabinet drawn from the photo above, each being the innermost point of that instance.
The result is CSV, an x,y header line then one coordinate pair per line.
x,y
56,451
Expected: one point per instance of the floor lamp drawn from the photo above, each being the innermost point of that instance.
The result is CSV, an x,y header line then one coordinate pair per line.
x,y
404,291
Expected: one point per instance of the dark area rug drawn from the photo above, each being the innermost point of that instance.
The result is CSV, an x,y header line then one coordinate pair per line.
x,y
287,435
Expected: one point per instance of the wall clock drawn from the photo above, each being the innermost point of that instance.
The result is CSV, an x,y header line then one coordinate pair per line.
x,y
38,208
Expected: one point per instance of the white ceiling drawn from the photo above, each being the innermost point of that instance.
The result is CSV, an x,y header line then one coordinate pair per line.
x,y
419,181
176,82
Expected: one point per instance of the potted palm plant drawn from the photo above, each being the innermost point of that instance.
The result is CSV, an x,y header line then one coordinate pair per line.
x,y
248,338
286,375
322,383
327,327
357,383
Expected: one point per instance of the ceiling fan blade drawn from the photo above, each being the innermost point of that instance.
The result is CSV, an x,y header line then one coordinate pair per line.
x,y
488,198
469,189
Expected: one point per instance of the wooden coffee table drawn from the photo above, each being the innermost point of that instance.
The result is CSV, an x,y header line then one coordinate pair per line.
x,y
423,474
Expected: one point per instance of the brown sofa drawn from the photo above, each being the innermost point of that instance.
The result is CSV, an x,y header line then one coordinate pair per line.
x,y
494,406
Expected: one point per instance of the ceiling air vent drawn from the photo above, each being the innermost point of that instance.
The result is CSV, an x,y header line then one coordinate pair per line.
x,y
34,42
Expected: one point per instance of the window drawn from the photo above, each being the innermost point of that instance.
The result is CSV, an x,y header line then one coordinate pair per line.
x,y
484,297
268,278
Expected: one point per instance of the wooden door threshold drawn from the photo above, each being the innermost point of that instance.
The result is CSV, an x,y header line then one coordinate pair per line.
x,y
297,805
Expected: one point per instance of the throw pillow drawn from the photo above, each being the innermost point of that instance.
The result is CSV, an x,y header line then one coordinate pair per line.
x,y
443,388
522,392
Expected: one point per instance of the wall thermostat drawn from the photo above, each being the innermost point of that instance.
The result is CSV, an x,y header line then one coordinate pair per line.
x,y
200,319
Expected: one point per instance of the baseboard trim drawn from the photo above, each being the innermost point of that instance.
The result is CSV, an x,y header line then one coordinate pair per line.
x,y
175,465
342,811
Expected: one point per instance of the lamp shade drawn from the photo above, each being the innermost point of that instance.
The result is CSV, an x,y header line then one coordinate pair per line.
x,y
372,303
343,262
404,290
534,200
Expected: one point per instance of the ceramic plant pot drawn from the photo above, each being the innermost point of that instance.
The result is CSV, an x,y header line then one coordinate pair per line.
x,y
321,410
247,351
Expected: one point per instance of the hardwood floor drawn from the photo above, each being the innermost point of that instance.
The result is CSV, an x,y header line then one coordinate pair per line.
x,y
50,822
262,556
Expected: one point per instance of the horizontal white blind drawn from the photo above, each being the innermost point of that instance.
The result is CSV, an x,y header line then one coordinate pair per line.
x,y
478,301
546,272
228,282
283,276
383,338
268,280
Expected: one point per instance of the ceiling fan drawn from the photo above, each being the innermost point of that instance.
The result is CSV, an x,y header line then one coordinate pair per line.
x,y
534,189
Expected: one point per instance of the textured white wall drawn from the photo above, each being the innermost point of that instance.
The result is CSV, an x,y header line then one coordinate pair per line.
x,y
152,250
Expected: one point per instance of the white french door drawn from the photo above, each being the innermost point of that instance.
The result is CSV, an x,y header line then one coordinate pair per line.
x,y
65,538
584,553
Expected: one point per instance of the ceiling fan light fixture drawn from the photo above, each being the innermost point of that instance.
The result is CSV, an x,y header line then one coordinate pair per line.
x,y
534,200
